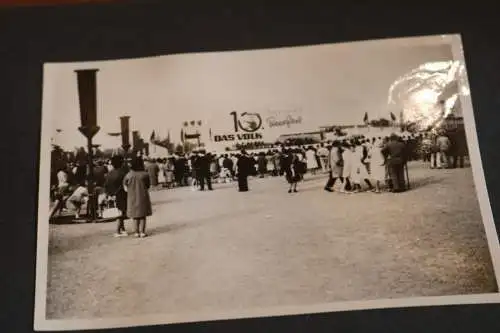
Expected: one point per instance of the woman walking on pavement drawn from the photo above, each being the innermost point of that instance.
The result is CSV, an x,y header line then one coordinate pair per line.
x,y
136,183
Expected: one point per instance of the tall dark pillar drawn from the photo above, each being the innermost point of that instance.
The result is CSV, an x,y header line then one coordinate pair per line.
x,y
125,133
87,95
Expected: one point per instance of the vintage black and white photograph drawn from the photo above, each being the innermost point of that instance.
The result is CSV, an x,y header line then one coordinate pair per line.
x,y
234,184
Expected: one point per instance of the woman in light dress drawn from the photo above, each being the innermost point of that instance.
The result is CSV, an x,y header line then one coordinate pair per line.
x,y
377,165
312,162
359,172
336,166
271,168
161,172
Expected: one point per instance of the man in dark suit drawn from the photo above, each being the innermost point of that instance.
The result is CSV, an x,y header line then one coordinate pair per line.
x,y
458,148
202,166
244,169
461,149
395,154
179,170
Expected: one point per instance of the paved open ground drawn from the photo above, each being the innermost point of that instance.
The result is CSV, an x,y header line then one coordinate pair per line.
x,y
225,250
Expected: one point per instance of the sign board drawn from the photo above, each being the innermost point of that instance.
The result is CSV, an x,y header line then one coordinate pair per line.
x,y
244,127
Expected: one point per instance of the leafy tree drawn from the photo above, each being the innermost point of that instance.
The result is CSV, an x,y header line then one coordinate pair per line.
x,y
384,122
381,122
338,132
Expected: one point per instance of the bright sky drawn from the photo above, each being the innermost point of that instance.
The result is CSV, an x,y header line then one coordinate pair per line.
x,y
328,84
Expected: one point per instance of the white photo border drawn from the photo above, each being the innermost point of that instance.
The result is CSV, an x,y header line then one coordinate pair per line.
x,y
41,323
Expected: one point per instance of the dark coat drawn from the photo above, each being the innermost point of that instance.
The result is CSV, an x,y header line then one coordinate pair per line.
x,y
292,168
458,143
180,165
262,163
138,200
245,165
395,152
100,172
113,186
227,163
80,174
202,165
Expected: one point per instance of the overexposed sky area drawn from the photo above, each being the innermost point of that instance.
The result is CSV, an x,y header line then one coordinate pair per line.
x,y
325,84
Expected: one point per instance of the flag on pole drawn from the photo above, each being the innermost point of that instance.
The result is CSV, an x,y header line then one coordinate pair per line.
x,y
365,118
393,117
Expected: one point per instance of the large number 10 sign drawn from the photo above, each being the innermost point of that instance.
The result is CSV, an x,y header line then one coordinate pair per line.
x,y
247,122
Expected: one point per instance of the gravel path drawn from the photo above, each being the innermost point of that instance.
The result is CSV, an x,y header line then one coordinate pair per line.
x,y
225,250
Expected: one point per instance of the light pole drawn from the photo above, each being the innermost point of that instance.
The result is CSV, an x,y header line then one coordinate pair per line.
x,y
86,80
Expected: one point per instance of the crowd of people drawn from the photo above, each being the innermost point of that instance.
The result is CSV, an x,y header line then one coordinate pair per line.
x,y
126,184
356,164
444,150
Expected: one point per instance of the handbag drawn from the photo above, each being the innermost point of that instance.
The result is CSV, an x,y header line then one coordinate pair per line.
x,y
111,211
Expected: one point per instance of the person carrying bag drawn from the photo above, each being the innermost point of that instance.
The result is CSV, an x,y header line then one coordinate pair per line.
x,y
116,195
